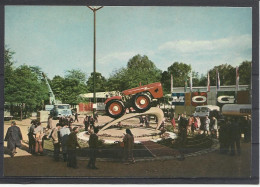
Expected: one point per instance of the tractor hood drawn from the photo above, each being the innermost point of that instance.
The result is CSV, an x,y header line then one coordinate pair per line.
x,y
155,89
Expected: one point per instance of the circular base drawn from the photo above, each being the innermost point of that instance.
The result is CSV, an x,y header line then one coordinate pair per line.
x,y
140,135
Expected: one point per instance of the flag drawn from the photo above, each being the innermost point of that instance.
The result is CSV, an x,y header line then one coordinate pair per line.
x,y
171,84
208,85
185,86
218,80
190,81
237,78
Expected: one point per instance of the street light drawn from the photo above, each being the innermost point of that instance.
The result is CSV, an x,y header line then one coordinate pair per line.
x,y
94,9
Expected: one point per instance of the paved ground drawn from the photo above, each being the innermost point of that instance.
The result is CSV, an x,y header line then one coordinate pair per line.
x,y
206,165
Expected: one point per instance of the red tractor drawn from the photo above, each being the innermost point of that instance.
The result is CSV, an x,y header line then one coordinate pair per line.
x,y
139,98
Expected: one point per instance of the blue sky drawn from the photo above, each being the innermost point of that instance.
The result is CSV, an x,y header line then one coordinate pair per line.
x,y
60,38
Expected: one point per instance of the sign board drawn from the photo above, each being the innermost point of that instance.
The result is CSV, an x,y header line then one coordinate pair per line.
x,y
226,98
199,98
178,99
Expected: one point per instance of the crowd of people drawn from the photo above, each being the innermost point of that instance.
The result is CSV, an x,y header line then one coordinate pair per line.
x,y
89,121
64,136
228,130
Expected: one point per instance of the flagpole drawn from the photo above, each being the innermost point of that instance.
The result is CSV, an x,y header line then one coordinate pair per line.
x,y
237,81
190,90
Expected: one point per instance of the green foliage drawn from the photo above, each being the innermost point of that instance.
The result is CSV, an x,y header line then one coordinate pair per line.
x,y
227,75
245,73
26,89
76,74
67,89
100,83
139,70
180,71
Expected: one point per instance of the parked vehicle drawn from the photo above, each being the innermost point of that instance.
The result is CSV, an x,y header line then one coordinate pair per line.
x,y
140,98
207,110
55,107
236,109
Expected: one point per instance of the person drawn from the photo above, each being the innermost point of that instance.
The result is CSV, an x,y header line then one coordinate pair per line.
x,y
64,134
235,136
70,121
141,119
214,127
191,125
72,144
38,135
13,137
56,142
61,121
146,121
247,129
162,127
50,126
93,148
173,122
96,117
182,134
49,123
128,147
92,121
198,123
31,137
207,122
86,123
223,136
179,117
76,115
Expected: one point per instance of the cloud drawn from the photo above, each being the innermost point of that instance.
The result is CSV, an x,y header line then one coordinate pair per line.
x,y
116,57
242,42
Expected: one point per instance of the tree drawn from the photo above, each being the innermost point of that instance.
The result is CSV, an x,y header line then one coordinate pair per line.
x,y
76,74
57,86
71,91
245,69
180,72
100,83
139,70
67,90
26,90
227,75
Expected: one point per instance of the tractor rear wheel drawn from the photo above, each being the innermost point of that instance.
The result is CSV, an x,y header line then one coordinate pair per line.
x,y
142,102
115,109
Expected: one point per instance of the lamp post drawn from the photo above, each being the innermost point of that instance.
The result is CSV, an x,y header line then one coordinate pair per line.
x,y
94,55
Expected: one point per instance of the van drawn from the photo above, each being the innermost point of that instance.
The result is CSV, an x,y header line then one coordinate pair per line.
x,y
206,110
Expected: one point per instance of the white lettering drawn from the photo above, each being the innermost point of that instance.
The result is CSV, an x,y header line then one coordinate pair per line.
x,y
177,99
199,99
226,99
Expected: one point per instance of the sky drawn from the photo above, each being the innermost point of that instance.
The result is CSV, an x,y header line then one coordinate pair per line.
x,y
60,38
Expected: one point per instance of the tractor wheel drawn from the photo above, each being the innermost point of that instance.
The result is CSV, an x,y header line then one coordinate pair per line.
x,y
115,109
142,102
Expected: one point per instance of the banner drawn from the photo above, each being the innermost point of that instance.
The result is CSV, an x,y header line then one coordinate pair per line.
x,y
199,98
227,97
243,97
178,99
188,99
208,84
237,78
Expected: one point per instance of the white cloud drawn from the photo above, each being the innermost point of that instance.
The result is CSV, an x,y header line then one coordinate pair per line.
x,y
116,57
242,42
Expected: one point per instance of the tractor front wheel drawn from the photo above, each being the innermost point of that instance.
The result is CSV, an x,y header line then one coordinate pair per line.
x,y
115,109
142,102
